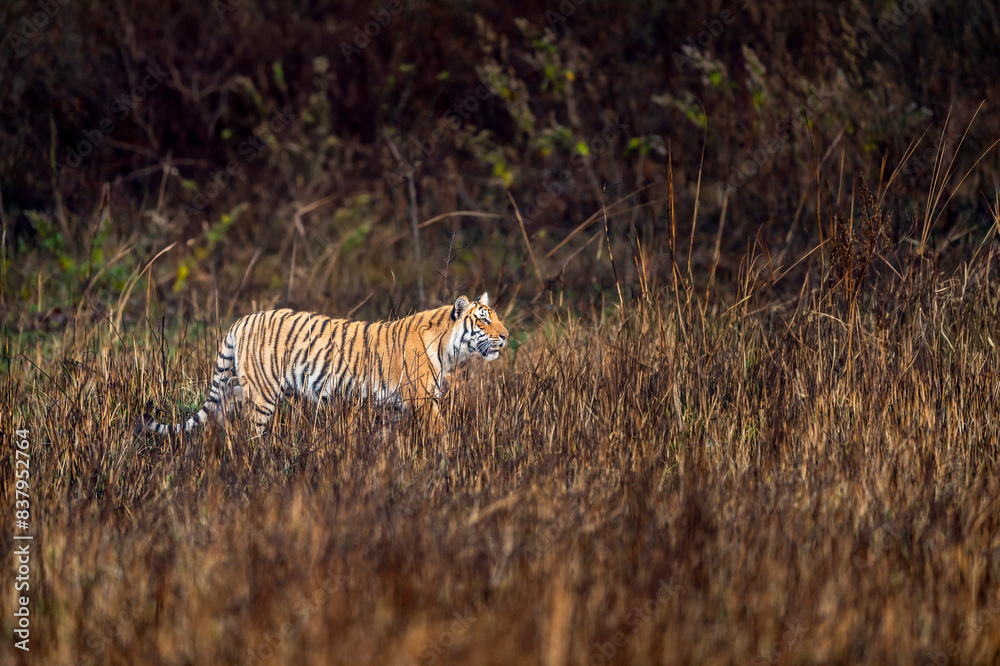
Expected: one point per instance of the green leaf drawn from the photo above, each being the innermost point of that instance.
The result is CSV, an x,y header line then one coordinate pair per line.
x,y
501,171
357,236
279,76
182,275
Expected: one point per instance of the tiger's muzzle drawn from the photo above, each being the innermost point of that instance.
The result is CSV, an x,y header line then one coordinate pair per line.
x,y
490,348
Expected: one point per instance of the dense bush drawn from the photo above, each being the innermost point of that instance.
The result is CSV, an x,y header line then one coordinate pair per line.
x,y
124,118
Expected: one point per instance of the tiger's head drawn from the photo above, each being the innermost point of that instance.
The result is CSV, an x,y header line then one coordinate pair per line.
x,y
478,329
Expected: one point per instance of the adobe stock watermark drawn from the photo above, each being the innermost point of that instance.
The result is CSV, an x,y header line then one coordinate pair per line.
x,y
895,18
439,646
121,107
565,182
547,536
605,652
249,149
981,620
880,540
418,150
266,651
381,18
751,162
566,9
714,27
919,165
119,628
223,7
30,26
789,638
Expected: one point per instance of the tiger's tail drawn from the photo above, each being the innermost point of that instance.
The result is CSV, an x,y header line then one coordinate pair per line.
x,y
225,368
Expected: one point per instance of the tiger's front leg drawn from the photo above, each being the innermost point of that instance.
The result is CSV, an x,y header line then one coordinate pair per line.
x,y
259,405
435,422
423,403
419,392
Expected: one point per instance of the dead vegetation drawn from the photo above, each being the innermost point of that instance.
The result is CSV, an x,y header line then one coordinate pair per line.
x,y
801,480
749,408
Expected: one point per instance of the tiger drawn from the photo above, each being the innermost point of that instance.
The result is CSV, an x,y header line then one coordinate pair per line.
x,y
402,364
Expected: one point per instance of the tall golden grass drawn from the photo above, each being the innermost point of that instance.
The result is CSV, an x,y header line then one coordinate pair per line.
x,y
798,473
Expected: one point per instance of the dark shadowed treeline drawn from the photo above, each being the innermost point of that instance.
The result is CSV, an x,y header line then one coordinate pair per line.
x,y
295,131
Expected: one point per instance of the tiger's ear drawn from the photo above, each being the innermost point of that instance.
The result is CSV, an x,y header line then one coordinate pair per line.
x,y
484,299
461,305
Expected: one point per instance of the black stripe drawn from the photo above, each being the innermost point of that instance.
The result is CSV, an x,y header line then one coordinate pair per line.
x,y
380,357
350,354
252,348
273,344
316,339
343,337
327,360
441,343
277,345
297,326
356,327
339,371
315,351
300,361
285,339
321,380
313,327
367,359
342,350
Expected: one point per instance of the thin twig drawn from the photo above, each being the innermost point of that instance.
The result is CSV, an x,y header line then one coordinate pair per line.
x,y
414,227
697,196
132,282
614,268
717,252
596,216
417,255
246,274
527,242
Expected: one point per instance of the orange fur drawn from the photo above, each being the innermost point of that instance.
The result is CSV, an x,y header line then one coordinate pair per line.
x,y
280,352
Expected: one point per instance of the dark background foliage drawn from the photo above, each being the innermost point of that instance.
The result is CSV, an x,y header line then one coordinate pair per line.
x,y
775,108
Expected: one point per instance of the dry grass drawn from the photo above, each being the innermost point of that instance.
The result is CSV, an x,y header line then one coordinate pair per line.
x,y
782,448
808,476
